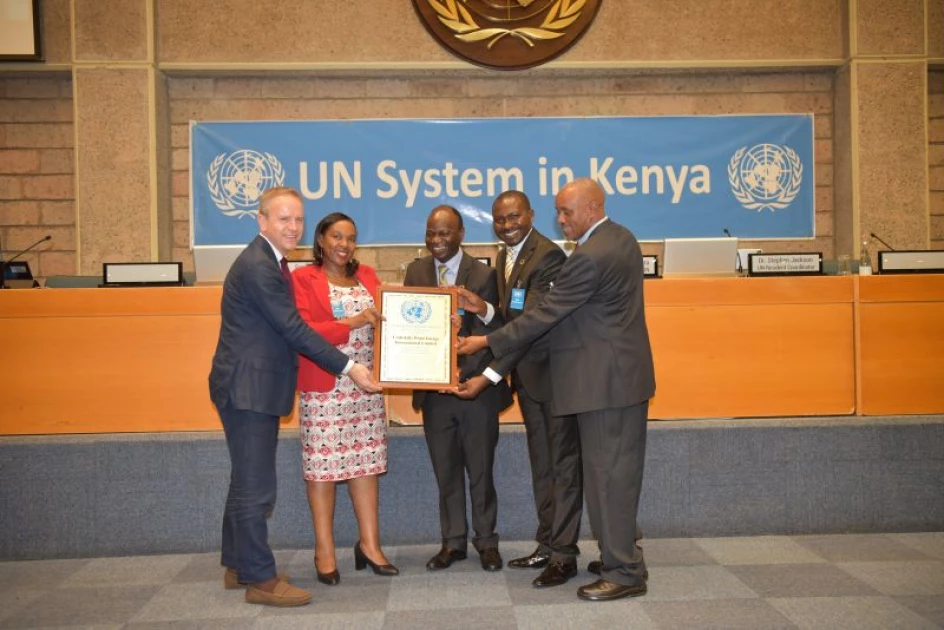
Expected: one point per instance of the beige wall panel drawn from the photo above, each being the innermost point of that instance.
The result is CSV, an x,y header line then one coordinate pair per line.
x,y
936,155
889,27
248,31
843,164
111,31
322,31
114,192
936,29
893,156
651,30
57,31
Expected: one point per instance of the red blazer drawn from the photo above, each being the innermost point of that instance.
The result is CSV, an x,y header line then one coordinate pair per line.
x,y
314,305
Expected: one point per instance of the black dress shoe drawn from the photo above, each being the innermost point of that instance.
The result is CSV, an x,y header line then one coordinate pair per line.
x,y
444,559
361,561
536,560
491,559
332,578
602,591
555,574
596,566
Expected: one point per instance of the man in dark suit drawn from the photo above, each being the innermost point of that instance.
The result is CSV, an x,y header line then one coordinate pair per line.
x,y
461,435
531,262
601,372
252,383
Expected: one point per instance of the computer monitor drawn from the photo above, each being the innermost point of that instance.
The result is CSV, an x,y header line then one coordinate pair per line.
x,y
212,263
700,257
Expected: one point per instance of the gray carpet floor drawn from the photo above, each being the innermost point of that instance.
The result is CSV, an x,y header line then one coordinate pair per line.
x,y
837,581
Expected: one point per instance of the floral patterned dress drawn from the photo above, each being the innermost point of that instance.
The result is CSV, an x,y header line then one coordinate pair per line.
x,y
344,431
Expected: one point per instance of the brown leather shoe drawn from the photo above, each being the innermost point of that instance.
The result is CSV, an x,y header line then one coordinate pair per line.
x,y
283,596
604,590
231,580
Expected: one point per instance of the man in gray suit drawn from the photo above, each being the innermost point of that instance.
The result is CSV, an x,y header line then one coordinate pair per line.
x,y
528,267
252,383
461,435
601,372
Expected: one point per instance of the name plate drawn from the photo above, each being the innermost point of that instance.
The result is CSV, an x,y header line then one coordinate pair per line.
x,y
920,261
773,264
650,266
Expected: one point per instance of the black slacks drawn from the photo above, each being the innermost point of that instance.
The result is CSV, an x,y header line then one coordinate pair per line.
x,y
556,476
461,436
613,446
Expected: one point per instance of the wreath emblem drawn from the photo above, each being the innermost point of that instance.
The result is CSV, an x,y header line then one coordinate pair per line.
x,y
237,180
456,17
765,177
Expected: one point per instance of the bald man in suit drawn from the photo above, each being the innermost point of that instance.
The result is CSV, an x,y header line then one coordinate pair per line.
x,y
601,372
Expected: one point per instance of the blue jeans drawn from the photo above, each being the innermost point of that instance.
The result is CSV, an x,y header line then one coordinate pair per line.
x,y
252,439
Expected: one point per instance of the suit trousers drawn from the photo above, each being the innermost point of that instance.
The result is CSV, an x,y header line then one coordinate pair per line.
x,y
461,436
252,439
556,477
613,445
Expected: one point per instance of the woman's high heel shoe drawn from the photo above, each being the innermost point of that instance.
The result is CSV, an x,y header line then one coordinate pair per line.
x,y
331,578
361,562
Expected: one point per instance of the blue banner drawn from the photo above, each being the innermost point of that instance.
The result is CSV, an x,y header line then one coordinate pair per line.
x,y
663,176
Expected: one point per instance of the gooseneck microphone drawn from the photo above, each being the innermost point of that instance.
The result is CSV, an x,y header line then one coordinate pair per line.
x,y
877,238
737,258
3,264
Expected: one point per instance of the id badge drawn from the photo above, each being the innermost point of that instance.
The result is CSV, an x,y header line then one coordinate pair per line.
x,y
337,309
517,299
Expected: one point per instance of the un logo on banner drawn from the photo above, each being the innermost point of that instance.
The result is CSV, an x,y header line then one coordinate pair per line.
x,y
416,311
765,177
236,180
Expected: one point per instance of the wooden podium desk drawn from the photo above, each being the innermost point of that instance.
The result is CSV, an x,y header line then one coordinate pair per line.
x,y
136,360
901,344
107,360
752,347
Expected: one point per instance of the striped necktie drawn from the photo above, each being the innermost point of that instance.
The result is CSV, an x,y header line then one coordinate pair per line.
x,y
443,270
509,263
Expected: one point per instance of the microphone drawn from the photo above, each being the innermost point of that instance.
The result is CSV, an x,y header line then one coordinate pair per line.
x,y
876,237
4,263
737,258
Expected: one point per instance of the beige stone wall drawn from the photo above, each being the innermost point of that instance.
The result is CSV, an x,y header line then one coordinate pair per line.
x,y
36,171
450,96
936,155
387,31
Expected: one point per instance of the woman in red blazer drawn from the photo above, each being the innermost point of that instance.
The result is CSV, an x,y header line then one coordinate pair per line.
x,y
344,430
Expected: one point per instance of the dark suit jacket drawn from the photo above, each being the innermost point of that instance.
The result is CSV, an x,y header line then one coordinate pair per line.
x,y
535,270
481,280
256,360
599,344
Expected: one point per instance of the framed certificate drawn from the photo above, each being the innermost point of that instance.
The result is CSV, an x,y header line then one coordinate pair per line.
x,y
415,345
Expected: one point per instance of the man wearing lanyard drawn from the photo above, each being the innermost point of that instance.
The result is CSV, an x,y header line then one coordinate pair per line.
x,y
601,372
531,263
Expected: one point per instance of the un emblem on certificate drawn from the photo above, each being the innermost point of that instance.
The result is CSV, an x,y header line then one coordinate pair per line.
x,y
765,176
236,180
416,311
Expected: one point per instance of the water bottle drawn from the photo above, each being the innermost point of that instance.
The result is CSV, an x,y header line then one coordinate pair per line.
x,y
865,262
